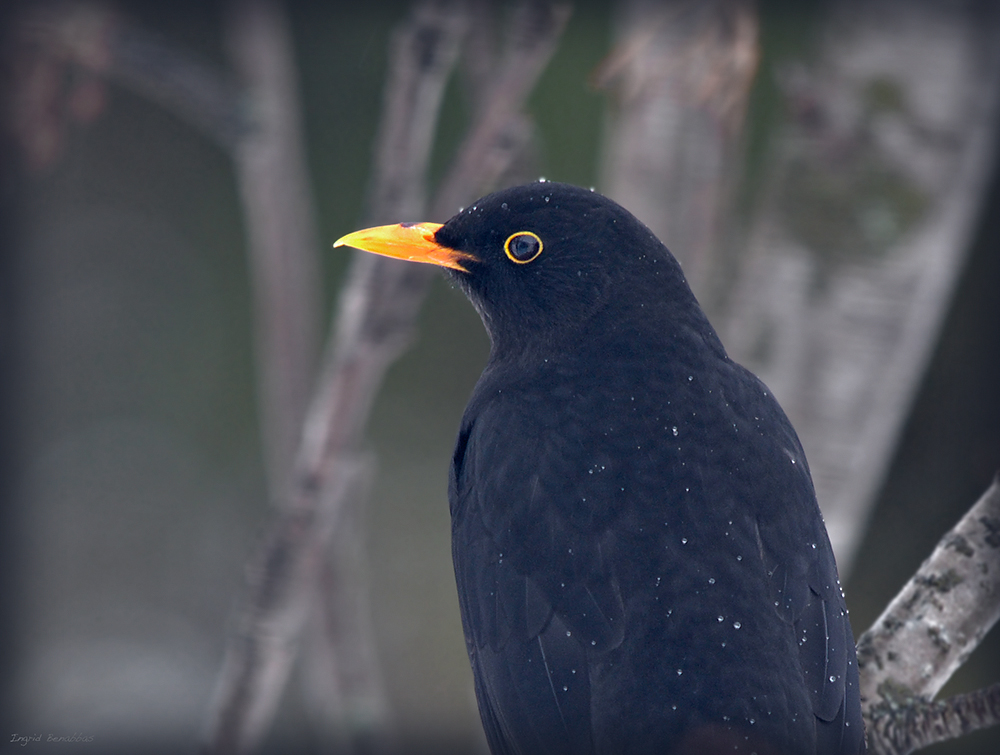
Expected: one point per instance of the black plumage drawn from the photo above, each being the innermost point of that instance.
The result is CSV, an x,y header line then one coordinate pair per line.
x,y
641,563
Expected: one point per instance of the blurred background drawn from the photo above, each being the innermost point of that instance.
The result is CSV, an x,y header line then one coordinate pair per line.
x,y
832,191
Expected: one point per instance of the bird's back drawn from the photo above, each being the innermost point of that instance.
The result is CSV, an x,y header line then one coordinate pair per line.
x,y
641,563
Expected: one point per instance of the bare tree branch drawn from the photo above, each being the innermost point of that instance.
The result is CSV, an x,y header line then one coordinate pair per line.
x,y
903,728
260,653
343,678
381,299
271,174
374,323
928,631
343,684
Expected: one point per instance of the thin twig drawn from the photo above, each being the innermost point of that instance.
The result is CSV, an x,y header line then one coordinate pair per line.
x,y
928,631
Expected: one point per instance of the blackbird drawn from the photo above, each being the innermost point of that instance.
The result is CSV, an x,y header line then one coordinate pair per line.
x,y
642,566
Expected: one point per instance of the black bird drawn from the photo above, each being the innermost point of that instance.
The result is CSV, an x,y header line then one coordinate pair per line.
x,y
641,563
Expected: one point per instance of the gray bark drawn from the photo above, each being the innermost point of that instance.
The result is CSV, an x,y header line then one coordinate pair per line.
x,y
927,632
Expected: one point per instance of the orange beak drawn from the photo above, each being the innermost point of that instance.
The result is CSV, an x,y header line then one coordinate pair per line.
x,y
406,241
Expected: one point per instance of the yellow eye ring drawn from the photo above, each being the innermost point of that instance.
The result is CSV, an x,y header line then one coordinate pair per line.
x,y
526,247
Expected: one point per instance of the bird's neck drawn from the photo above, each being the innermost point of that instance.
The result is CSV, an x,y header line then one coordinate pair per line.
x,y
611,343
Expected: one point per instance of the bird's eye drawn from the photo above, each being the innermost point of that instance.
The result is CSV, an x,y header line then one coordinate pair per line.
x,y
522,247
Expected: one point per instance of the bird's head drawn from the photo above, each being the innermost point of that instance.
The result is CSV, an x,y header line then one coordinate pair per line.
x,y
539,261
